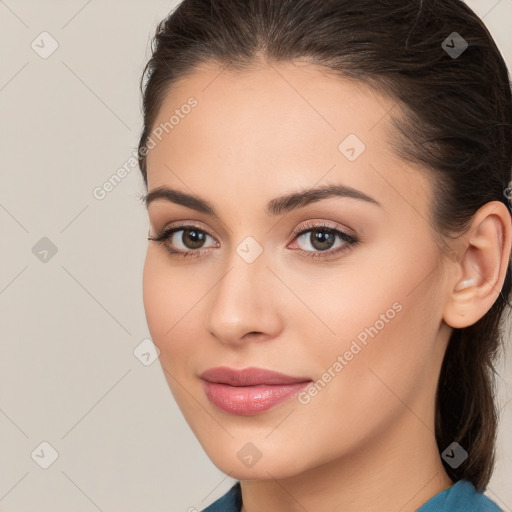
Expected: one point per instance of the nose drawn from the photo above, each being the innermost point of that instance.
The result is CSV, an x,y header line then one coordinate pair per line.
x,y
245,303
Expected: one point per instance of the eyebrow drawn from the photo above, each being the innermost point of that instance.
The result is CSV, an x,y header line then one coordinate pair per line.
x,y
276,206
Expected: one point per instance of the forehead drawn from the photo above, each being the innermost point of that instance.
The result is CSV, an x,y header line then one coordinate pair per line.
x,y
290,100
274,125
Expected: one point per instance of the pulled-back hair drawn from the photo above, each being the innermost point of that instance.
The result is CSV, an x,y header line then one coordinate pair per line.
x,y
454,119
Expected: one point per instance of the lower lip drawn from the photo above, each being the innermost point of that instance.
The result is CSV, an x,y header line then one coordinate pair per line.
x,y
250,400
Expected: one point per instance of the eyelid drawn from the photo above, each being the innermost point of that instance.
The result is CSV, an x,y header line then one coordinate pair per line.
x,y
192,224
306,226
312,224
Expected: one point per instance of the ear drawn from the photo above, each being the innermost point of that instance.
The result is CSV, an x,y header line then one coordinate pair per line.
x,y
478,276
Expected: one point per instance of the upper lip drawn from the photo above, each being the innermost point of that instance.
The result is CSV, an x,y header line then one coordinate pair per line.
x,y
249,376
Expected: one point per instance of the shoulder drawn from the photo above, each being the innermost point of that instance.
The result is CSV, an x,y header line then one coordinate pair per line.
x,y
229,502
460,497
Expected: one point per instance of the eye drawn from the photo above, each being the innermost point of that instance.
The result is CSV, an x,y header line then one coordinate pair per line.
x,y
320,237
319,240
191,239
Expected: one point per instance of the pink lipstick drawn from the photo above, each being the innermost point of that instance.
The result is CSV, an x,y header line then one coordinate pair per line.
x,y
249,391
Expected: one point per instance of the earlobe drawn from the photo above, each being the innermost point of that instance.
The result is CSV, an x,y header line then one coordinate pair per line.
x,y
480,272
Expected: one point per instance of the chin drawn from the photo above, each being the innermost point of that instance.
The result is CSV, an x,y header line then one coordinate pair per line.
x,y
243,461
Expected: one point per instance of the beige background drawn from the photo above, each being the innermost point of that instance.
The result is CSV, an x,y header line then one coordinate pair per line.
x,y
70,325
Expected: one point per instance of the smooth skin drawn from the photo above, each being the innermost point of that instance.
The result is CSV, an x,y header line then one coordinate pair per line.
x,y
366,440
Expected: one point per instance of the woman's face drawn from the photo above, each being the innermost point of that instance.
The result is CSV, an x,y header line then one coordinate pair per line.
x,y
352,307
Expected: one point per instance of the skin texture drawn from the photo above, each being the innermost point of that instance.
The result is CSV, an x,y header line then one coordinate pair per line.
x,y
366,440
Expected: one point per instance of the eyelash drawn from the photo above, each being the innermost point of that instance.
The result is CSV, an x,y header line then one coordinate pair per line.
x,y
350,240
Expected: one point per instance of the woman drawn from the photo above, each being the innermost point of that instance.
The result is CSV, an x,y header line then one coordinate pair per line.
x,y
330,240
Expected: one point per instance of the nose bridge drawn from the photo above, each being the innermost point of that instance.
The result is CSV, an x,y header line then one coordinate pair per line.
x,y
241,301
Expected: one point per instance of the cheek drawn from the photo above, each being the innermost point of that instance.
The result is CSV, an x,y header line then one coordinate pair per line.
x,y
167,299
379,324
155,297
375,369
172,297
361,298
164,305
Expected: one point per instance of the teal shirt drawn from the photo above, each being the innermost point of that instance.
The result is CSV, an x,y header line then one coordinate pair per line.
x,y
460,497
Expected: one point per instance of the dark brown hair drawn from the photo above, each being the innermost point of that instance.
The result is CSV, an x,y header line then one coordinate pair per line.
x,y
454,120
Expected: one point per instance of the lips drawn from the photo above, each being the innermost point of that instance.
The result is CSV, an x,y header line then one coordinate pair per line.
x,y
249,391
249,377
